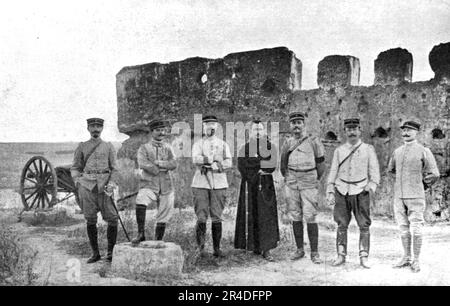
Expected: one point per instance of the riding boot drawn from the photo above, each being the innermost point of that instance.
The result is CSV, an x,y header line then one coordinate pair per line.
x,y
406,260
417,244
159,230
216,228
140,220
297,226
92,235
200,232
313,235
364,246
341,247
111,235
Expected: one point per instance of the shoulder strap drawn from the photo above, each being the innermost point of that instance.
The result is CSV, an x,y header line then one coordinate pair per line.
x,y
285,156
297,145
348,156
88,155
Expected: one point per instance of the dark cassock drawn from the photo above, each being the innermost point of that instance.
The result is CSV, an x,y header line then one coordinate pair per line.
x,y
256,168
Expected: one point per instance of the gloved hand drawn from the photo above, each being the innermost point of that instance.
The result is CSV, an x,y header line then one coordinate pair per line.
x,y
110,188
76,181
161,163
429,179
217,166
331,199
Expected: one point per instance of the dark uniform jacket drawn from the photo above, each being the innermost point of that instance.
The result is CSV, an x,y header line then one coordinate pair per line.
x,y
98,168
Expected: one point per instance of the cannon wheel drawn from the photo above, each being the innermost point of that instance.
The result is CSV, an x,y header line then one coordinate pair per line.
x,y
38,184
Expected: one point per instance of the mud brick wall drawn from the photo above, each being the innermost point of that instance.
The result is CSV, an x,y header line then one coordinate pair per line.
x,y
267,83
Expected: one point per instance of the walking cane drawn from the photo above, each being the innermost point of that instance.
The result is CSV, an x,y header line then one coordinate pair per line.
x,y
246,217
111,196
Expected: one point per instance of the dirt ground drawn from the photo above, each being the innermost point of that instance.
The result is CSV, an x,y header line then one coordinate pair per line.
x,y
54,262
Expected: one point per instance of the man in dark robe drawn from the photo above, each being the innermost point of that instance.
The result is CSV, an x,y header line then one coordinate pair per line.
x,y
258,230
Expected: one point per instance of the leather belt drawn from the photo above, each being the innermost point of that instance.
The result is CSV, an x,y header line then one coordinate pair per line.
x,y
208,169
353,182
306,170
97,171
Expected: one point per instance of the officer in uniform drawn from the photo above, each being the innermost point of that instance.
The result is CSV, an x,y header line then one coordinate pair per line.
x,y
413,165
94,171
354,172
155,159
302,165
211,156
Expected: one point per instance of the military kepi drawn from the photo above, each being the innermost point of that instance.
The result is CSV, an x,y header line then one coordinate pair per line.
x,y
297,116
351,122
210,118
98,121
411,124
157,123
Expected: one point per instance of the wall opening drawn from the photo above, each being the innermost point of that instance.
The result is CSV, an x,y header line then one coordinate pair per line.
x,y
437,134
330,136
381,132
403,96
363,105
269,86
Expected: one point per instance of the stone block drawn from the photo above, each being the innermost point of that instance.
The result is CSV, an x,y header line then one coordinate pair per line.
x,y
336,71
393,67
147,260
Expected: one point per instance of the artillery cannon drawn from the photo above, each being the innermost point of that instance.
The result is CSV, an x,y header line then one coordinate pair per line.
x,y
40,184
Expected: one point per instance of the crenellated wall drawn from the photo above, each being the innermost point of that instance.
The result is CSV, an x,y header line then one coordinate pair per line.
x,y
267,83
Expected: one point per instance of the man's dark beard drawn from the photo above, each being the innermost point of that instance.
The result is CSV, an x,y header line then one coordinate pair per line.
x,y
95,135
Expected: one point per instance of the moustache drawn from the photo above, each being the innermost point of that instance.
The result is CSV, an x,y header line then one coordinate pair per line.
x,y
352,135
405,135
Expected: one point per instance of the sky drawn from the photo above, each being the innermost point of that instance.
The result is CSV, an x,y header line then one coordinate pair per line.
x,y
59,58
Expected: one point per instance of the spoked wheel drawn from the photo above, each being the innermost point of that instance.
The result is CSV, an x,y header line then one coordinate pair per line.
x,y
38,184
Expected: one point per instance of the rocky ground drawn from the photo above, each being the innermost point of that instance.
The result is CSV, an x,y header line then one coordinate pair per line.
x,y
62,247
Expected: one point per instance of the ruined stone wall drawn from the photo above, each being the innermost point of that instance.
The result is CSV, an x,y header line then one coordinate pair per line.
x,y
267,83
234,88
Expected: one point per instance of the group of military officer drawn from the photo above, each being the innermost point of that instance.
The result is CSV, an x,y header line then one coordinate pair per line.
x,y
352,180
